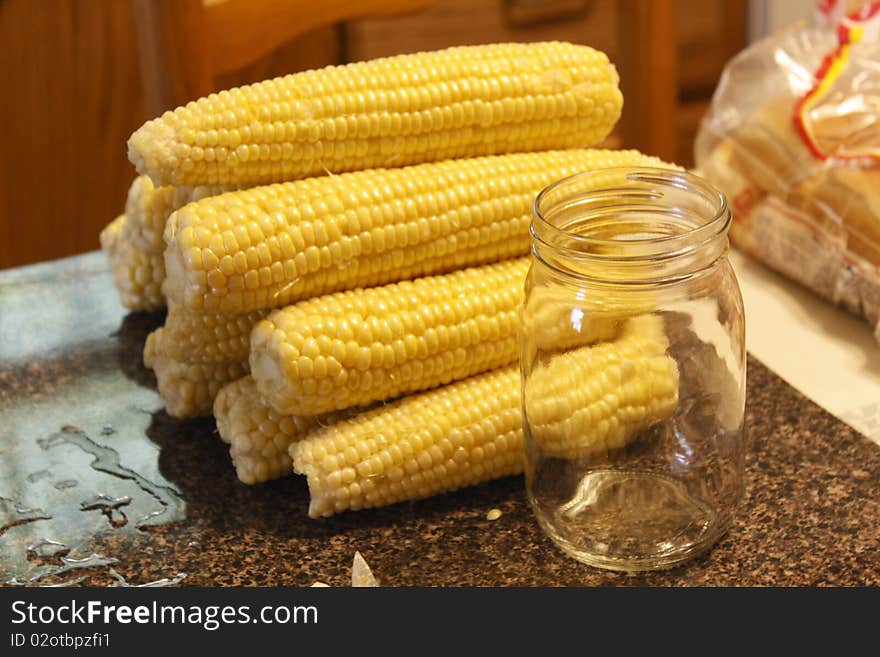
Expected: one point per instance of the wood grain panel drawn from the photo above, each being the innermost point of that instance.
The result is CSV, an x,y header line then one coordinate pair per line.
x,y
72,97
278,20
457,22
709,31
315,49
650,91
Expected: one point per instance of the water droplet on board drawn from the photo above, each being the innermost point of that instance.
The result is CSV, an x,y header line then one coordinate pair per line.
x,y
66,583
45,548
109,506
36,476
69,563
107,460
13,513
165,581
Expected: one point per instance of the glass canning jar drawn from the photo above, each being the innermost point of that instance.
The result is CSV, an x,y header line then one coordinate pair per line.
x,y
633,367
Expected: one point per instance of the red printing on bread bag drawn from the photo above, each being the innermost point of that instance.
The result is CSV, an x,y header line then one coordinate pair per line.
x,y
861,25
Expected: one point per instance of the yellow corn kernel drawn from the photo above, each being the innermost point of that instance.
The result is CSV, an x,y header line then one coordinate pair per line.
x,y
394,111
418,446
599,397
357,347
271,246
138,274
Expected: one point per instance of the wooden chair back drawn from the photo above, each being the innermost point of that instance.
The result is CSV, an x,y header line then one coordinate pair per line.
x,y
185,44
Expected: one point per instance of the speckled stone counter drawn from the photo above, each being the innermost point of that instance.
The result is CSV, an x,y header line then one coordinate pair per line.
x,y
105,488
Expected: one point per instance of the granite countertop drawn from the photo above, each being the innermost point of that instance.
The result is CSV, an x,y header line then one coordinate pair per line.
x,y
99,486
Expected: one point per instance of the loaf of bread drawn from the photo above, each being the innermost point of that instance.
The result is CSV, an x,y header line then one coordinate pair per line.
x,y
806,199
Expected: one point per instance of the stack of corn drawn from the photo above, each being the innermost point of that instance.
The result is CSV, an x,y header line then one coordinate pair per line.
x,y
359,292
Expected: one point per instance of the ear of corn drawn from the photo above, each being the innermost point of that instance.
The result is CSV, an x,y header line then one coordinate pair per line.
x,y
598,398
470,431
437,441
137,274
148,208
353,348
393,111
442,217
189,389
258,436
455,435
134,241
205,337
271,246
560,317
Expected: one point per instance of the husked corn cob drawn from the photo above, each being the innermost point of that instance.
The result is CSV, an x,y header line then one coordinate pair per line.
x,y
271,246
599,397
188,389
394,111
195,354
558,317
138,274
135,245
470,431
258,436
204,337
458,435
148,207
357,347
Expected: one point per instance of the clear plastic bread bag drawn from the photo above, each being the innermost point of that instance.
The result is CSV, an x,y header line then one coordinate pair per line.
x,y
793,139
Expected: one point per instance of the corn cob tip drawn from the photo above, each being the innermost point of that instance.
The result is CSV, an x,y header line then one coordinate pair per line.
x,y
174,285
111,233
387,341
461,434
150,146
266,368
137,273
258,438
222,405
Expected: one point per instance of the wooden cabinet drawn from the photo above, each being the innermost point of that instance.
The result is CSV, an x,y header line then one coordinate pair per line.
x,y
73,91
709,32
72,96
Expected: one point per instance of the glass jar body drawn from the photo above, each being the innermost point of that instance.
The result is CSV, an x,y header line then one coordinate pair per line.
x,y
633,403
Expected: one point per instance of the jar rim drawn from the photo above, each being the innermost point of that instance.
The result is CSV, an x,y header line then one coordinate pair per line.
x,y
654,246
